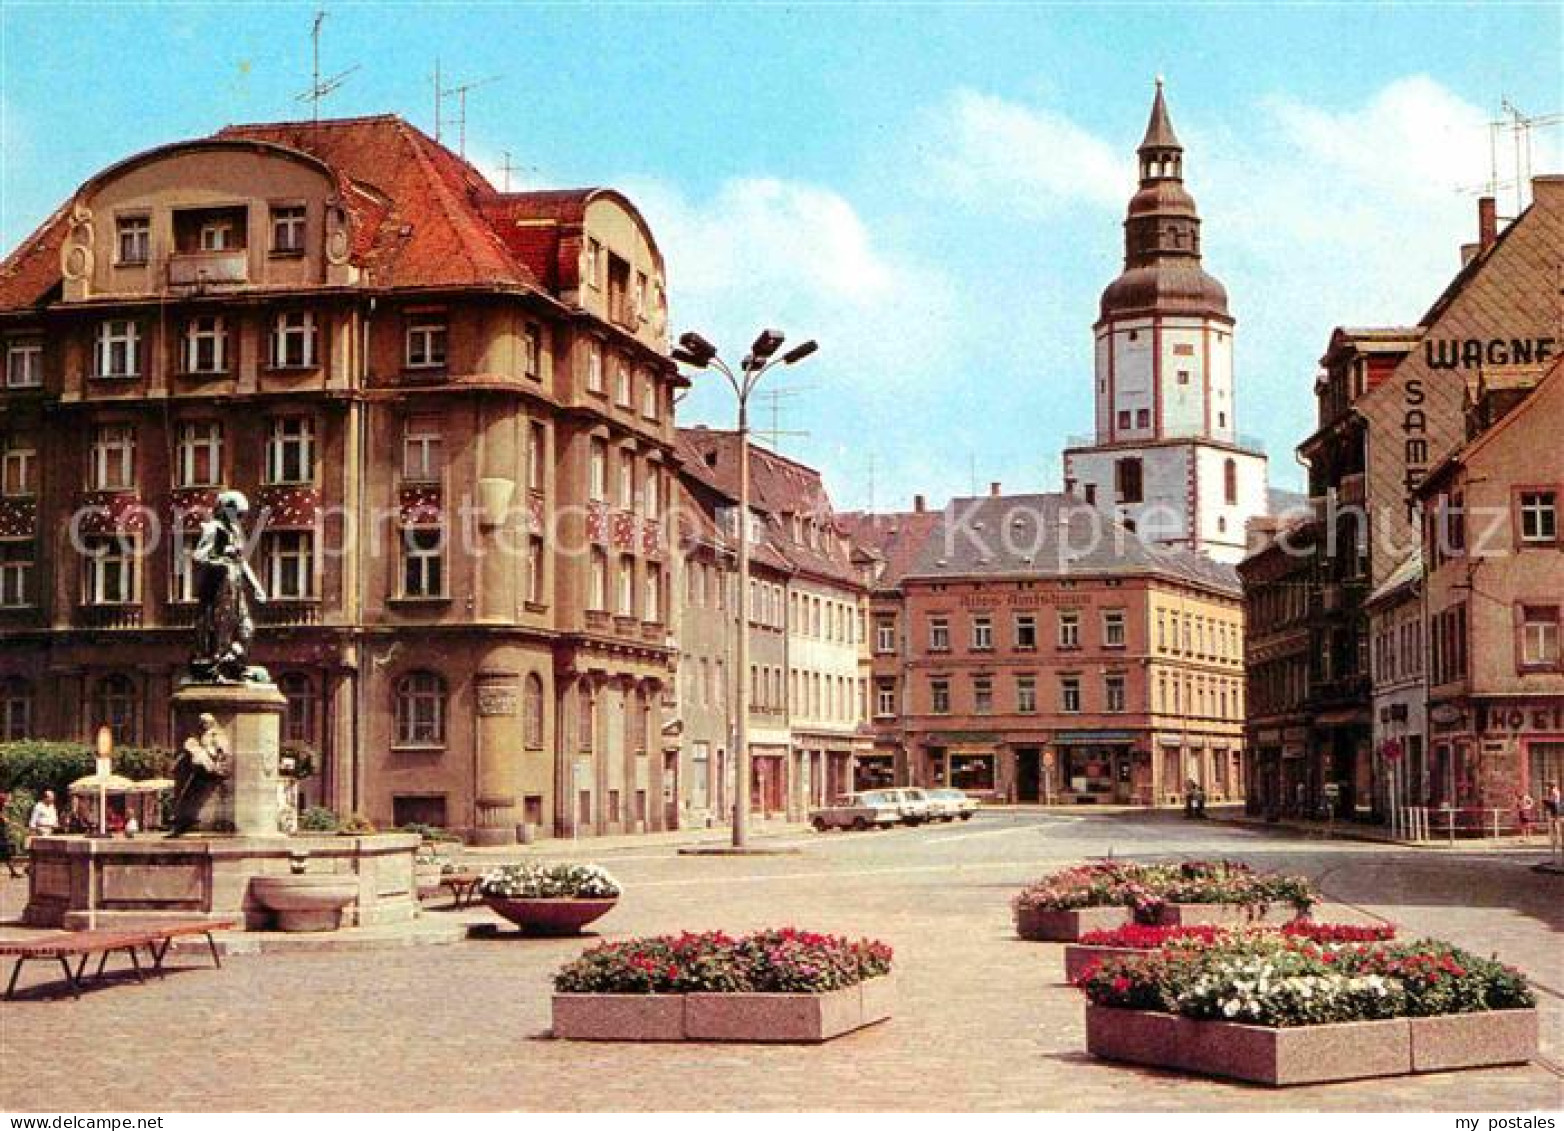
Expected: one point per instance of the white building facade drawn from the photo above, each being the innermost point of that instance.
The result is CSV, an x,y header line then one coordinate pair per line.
x,y
1166,458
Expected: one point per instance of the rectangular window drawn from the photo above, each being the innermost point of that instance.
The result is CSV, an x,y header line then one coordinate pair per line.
x,y
182,580
594,264
982,634
983,695
217,235
532,350
111,571
939,634
537,456
1069,630
648,396
423,562
1114,693
594,357
622,392
1540,636
133,240
627,480
884,698
884,637
426,340
1127,480
288,222
19,468
1143,418
1113,628
199,462
1539,516
652,608
119,348
939,696
293,340
423,454
1070,695
289,559
24,364
1124,418
16,572
1026,694
598,597
113,457
206,344
626,585
598,483
290,450
535,569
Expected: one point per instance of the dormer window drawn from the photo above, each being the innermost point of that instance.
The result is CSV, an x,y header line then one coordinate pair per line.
x,y
206,344
426,338
134,239
288,222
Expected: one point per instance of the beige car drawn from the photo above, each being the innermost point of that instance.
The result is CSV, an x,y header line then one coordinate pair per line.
x,y
950,804
874,808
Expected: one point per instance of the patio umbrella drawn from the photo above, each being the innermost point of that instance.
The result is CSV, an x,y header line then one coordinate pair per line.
x,y
114,783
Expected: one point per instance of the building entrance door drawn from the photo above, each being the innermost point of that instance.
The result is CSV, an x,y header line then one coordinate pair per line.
x,y
1029,774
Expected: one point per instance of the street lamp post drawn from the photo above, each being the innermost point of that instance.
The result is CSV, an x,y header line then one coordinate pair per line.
x,y
696,352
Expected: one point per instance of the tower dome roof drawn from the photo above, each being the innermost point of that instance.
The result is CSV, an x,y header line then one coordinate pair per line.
x,y
1162,269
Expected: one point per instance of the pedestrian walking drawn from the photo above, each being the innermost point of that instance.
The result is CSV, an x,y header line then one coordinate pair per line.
x,y
1525,810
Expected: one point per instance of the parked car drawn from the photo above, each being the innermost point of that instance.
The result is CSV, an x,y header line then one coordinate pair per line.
x,y
949,804
916,807
876,808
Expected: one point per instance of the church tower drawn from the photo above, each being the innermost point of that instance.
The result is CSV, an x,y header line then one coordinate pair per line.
x,y
1166,457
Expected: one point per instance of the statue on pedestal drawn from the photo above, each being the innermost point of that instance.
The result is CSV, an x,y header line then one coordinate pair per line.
x,y
225,588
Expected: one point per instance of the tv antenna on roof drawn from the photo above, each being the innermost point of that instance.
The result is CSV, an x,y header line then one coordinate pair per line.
x,y
320,89
774,398
460,91
1519,126
506,168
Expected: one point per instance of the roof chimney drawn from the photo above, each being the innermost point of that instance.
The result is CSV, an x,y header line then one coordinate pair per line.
x,y
993,489
1487,222
919,504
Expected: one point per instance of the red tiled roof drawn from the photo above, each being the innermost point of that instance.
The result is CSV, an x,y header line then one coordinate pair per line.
x,y
896,537
421,215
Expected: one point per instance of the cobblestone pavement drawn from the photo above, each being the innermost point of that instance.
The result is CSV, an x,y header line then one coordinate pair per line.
x,y
982,1021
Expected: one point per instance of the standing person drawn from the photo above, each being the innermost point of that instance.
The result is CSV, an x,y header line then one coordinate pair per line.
x,y
1525,807
45,819
1551,802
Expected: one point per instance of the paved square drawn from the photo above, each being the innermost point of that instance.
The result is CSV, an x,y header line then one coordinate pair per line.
x,y
982,1021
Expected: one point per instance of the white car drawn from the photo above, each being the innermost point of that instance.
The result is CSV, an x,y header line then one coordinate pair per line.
x,y
875,808
916,807
950,804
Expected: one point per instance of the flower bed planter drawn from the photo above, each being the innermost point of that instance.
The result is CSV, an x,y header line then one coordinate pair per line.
x,y
1312,1054
1081,957
737,1017
1039,925
1226,915
552,917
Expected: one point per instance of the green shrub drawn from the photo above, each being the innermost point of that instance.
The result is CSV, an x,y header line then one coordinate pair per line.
x,y
432,833
356,825
36,765
318,819
13,818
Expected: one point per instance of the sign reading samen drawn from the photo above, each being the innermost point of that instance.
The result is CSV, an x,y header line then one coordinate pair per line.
x,y
1476,353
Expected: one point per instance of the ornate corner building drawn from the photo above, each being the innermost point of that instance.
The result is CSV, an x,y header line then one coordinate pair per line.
x,y
452,408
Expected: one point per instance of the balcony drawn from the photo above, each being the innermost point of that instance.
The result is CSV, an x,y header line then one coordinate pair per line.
x,y
199,268
109,616
288,614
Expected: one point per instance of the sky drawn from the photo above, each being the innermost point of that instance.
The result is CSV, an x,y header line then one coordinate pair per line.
x,y
934,192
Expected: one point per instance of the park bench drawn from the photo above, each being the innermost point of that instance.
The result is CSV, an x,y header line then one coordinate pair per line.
x,y
104,942
463,886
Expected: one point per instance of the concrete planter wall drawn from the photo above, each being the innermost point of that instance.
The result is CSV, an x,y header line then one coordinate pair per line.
x,y
1226,915
1312,1054
1037,925
796,1018
1079,957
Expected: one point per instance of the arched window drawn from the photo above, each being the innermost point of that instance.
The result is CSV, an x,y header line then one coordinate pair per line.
x,y
16,709
420,710
1230,481
298,718
532,711
114,706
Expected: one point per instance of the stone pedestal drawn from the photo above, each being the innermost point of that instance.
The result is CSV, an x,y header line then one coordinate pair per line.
x,y
249,801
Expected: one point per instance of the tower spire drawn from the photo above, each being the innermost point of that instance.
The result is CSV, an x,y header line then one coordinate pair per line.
x,y
1159,129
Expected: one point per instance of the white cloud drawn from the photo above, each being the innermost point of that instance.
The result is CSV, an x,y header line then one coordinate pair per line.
x,y
763,251
988,151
